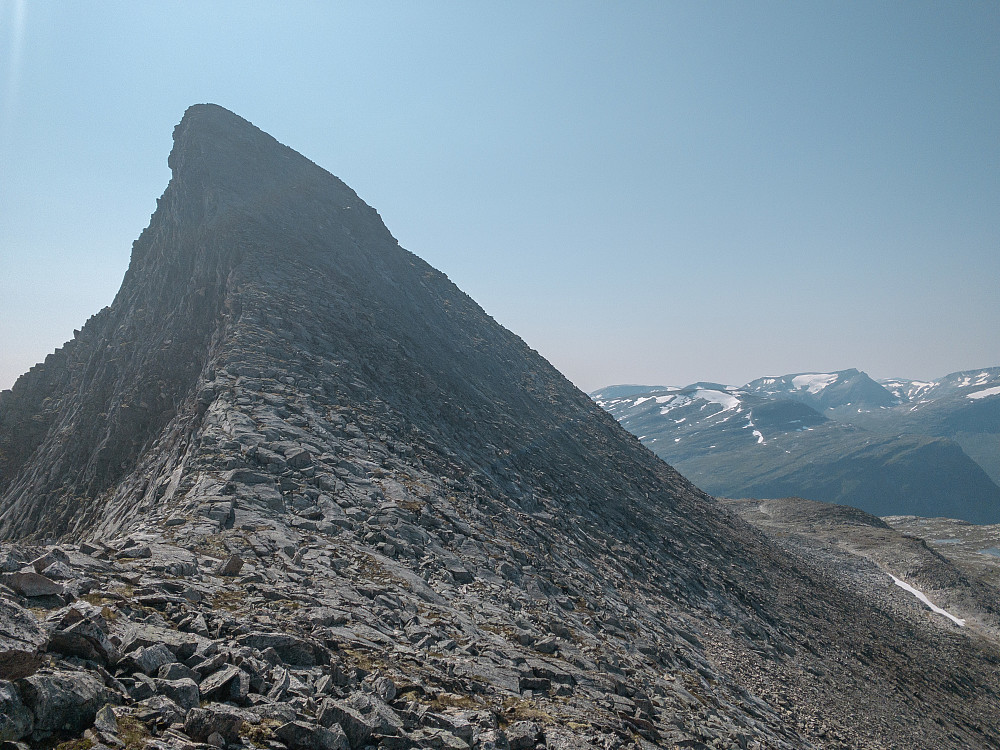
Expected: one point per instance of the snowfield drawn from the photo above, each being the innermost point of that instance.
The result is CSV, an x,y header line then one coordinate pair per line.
x,y
984,393
923,597
814,382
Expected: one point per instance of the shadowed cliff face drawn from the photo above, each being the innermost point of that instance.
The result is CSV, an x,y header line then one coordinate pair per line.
x,y
277,378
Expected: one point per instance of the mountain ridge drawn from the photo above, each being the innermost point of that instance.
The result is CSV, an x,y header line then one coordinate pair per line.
x,y
919,448
380,511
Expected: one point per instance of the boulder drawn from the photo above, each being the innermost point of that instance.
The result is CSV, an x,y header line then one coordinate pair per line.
x,y
62,701
227,684
522,735
85,639
177,671
231,566
298,458
148,660
300,735
53,555
357,727
201,723
184,692
292,650
159,710
181,645
16,719
30,583
22,640
386,721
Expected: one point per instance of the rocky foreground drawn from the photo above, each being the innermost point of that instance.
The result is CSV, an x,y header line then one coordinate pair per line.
x,y
294,489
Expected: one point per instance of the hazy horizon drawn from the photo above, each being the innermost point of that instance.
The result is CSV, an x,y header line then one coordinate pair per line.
x,y
652,193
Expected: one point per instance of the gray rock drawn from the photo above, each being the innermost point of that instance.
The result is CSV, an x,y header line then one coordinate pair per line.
x,y
292,649
281,682
85,639
63,701
173,560
137,552
300,735
492,739
139,687
522,735
184,692
201,723
16,719
384,719
29,583
439,739
181,645
22,641
60,571
547,646
298,458
231,566
229,683
160,710
358,727
177,671
560,739
105,720
149,660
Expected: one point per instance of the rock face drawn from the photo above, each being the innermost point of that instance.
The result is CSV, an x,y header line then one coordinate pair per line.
x,y
295,469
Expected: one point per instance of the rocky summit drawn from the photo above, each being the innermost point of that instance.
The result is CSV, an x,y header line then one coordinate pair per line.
x,y
294,489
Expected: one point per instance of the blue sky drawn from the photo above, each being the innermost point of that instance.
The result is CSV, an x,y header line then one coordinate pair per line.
x,y
645,192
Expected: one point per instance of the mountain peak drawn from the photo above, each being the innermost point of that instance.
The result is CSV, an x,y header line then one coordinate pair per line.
x,y
418,499
223,164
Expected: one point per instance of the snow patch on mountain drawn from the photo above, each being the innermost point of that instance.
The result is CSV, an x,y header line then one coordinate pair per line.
x,y
995,390
726,400
923,597
814,382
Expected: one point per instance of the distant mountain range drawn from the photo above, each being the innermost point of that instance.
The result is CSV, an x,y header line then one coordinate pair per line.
x,y
890,447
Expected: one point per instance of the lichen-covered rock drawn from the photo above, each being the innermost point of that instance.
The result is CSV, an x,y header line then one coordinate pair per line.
x,y
149,659
231,566
358,727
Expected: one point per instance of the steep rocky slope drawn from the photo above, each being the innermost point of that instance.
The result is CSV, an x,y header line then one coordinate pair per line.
x,y
295,489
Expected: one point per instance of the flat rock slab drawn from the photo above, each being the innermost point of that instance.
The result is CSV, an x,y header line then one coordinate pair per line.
x,y
182,645
28,583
